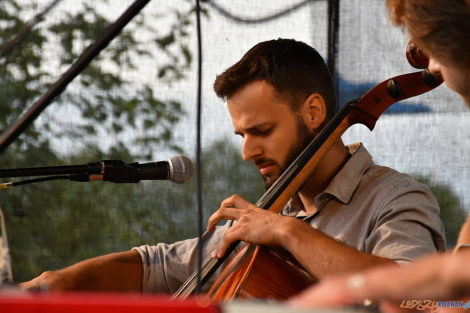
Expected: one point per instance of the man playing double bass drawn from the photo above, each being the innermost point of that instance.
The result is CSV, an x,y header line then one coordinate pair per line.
x,y
349,215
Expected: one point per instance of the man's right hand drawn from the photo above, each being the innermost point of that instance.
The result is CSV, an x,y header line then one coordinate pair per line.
x,y
47,281
121,271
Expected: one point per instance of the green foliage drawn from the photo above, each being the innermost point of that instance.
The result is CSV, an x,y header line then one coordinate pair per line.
x,y
452,213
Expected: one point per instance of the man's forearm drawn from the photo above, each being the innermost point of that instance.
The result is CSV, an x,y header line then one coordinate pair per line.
x,y
323,256
121,271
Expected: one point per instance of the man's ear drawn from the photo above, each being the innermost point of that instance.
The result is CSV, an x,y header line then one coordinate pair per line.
x,y
314,111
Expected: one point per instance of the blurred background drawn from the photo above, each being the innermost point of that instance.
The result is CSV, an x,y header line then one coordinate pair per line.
x,y
137,102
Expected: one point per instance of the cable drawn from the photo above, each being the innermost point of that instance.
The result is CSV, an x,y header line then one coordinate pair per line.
x,y
198,146
226,13
333,35
31,181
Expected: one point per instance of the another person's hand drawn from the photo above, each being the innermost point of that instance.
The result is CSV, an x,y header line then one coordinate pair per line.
x,y
444,277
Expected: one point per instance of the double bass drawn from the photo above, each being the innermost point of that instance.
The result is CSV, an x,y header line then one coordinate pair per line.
x,y
260,272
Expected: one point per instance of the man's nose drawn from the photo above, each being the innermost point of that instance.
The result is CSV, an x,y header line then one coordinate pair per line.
x,y
434,66
251,149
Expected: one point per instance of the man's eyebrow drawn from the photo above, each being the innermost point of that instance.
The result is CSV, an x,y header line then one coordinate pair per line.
x,y
251,129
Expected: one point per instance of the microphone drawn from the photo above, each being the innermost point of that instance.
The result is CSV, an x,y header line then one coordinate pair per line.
x,y
178,169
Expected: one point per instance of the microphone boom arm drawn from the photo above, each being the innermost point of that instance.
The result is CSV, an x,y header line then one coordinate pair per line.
x,y
115,171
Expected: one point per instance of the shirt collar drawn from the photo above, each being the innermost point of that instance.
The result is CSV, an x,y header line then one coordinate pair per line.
x,y
342,186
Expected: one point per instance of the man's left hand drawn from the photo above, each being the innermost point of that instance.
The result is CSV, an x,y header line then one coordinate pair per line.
x,y
254,225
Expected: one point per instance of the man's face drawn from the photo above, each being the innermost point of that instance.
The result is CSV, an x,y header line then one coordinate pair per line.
x,y
456,78
273,135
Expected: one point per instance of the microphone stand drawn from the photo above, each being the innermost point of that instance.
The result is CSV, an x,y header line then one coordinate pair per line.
x,y
115,171
90,168
81,173
56,89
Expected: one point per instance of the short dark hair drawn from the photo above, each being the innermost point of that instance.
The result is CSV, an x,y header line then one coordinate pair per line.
x,y
293,68
441,27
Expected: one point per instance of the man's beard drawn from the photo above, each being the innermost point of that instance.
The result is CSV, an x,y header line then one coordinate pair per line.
x,y
304,137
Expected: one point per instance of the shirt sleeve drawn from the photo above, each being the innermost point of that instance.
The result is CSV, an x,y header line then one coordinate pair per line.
x,y
408,225
167,266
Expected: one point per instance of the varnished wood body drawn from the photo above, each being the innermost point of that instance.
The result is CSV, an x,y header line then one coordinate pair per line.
x,y
261,273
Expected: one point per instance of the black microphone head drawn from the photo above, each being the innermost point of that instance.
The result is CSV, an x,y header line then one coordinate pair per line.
x,y
181,168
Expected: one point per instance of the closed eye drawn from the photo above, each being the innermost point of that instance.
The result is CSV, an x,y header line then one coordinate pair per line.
x,y
265,133
258,130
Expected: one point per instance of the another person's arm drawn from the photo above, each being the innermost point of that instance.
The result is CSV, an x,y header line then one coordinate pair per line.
x,y
444,277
